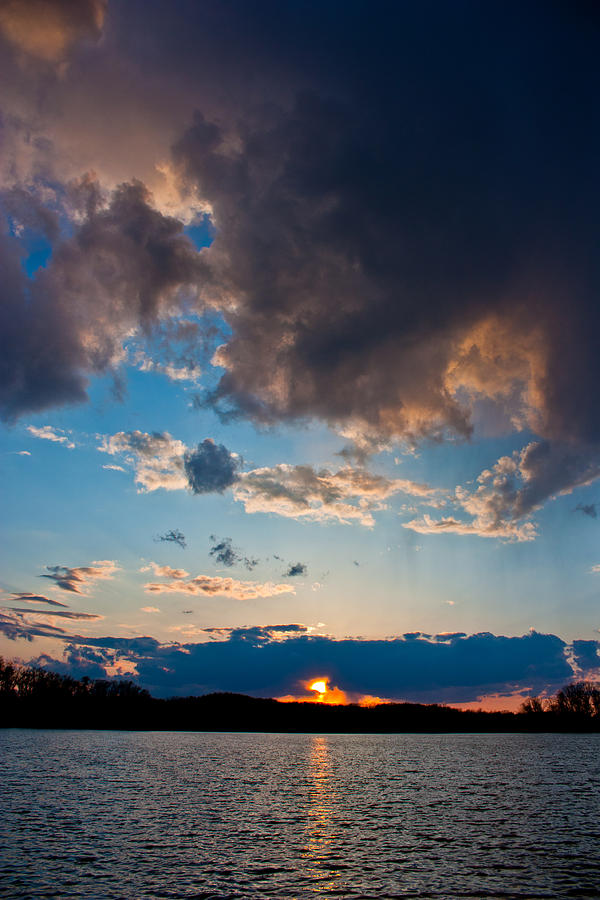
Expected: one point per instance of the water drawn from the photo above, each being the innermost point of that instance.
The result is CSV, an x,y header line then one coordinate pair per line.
x,y
190,815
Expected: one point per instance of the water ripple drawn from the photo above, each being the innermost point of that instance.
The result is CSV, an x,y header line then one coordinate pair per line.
x,y
193,816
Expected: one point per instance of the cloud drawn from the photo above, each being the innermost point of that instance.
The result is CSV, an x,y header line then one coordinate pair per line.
x,y
149,609
398,283
210,468
595,570
161,461
214,586
47,433
120,271
53,612
389,254
174,536
283,320
223,552
450,525
513,489
189,373
46,29
164,571
302,492
113,468
79,579
585,658
157,458
26,597
179,348
16,626
276,660
257,634
296,569
588,509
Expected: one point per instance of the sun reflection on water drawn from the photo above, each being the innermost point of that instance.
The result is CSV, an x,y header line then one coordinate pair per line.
x,y
321,845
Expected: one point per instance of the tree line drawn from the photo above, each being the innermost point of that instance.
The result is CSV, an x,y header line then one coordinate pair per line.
x,y
32,697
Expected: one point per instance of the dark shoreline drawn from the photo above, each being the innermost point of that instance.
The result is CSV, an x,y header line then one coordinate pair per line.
x,y
240,713
37,698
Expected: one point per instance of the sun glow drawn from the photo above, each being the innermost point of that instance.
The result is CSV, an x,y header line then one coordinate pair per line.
x,y
325,693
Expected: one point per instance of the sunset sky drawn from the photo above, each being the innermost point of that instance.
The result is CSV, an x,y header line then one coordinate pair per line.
x,y
299,354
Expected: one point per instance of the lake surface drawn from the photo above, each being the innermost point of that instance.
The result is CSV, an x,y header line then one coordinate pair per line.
x,y
194,815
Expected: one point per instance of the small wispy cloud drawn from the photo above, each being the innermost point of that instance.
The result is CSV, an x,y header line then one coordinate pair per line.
x,y
164,571
64,614
190,373
295,569
223,552
78,579
174,536
588,509
27,597
214,586
47,433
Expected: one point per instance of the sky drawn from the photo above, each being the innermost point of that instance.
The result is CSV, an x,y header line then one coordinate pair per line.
x,y
299,345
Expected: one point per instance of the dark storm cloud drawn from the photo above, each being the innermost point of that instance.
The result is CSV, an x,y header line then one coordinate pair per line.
x,y
405,201
418,669
121,270
416,230
295,569
256,660
586,657
26,210
46,29
223,552
210,467
174,536
588,509
403,215
78,662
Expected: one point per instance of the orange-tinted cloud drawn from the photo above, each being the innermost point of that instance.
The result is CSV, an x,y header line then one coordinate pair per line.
x,y
46,29
215,586
320,495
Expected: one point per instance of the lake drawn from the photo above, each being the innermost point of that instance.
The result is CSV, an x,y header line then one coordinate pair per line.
x,y
91,814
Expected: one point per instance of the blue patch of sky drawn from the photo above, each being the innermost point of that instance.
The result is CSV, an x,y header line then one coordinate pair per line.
x,y
201,231
39,251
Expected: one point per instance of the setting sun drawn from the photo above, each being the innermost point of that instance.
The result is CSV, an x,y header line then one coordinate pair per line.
x,y
319,686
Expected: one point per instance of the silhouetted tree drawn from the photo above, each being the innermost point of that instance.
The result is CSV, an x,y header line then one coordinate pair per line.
x,y
532,706
580,699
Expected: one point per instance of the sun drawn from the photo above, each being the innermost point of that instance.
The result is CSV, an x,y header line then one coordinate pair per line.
x,y
319,686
